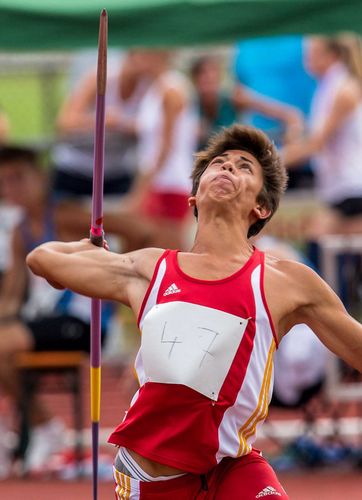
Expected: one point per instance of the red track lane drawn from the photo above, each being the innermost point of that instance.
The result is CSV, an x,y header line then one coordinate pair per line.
x,y
316,485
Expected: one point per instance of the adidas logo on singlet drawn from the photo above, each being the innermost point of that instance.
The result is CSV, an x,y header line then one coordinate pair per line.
x,y
171,289
269,490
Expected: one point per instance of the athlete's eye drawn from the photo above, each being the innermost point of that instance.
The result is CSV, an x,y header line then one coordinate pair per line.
x,y
246,166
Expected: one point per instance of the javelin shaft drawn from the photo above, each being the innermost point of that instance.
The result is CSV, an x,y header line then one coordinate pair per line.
x,y
96,236
98,167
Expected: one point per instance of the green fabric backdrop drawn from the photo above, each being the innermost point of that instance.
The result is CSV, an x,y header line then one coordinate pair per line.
x,y
70,24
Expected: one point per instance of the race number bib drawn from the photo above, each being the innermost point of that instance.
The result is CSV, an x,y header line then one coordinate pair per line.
x,y
189,344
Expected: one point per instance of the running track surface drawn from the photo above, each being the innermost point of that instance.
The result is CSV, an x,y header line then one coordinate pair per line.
x,y
317,485
328,484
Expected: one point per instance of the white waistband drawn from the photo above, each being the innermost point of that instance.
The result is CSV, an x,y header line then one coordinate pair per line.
x,y
135,471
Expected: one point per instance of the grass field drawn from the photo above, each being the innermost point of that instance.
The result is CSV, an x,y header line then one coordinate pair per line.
x,y
34,85
31,101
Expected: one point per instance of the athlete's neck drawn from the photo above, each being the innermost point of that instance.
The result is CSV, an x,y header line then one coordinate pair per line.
x,y
222,238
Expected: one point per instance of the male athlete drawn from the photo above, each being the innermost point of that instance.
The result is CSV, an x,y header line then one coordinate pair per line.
x,y
211,320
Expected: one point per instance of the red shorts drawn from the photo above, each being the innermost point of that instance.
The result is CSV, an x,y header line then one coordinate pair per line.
x,y
245,478
166,205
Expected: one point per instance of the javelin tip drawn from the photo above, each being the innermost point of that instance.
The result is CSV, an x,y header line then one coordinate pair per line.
x,y
102,53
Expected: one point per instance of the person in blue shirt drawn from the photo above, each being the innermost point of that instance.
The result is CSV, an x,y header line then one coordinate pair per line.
x,y
218,107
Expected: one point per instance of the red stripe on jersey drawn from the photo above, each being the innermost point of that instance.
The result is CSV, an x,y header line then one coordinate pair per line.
x,y
236,375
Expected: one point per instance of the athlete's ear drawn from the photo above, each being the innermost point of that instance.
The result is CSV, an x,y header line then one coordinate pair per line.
x,y
192,201
261,212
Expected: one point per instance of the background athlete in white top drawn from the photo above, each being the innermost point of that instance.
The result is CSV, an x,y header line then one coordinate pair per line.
x,y
334,141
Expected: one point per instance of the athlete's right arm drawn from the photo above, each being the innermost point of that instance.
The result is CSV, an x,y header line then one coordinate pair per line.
x,y
95,272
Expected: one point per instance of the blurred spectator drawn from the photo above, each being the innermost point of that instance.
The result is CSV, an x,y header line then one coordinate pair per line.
x,y
299,367
73,154
167,140
335,139
219,108
33,315
273,66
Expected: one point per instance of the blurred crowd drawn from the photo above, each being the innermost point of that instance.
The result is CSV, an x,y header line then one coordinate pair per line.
x,y
305,93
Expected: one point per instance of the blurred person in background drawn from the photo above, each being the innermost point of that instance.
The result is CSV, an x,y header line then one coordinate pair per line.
x,y
273,67
167,130
72,155
33,315
334,141
219,108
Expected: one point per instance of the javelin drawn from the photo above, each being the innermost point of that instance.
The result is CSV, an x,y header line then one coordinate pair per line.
x,y
96,237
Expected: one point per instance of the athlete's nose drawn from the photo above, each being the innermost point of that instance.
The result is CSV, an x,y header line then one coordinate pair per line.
x,y
228,166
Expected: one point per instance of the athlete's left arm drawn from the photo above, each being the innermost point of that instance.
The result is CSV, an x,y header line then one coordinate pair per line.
x,y
325,314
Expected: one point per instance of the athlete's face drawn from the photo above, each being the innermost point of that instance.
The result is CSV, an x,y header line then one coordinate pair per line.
x,y
234,178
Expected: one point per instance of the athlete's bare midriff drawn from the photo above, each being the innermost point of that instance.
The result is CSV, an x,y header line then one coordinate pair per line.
x,y
152,468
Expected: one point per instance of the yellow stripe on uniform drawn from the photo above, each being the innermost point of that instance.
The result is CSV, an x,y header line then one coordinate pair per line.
x,y
119,488
260,408
95,388
123,488
264,409
128,486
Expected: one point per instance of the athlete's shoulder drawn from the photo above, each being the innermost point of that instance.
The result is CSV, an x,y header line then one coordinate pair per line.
x,y
287,268
282,264
146,259
290,286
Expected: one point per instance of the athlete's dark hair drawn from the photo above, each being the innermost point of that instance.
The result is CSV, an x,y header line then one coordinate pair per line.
x,y
258,144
